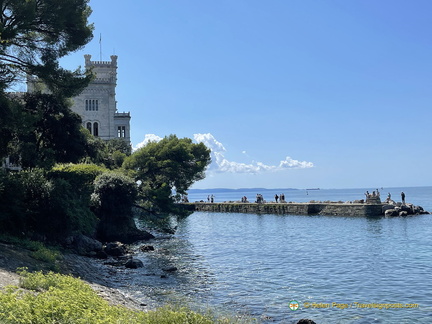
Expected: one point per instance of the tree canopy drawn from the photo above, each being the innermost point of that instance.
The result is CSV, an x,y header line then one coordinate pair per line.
x,y
40,128
35,34
169,166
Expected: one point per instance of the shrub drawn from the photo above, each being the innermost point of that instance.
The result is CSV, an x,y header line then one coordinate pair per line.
x,y
63,299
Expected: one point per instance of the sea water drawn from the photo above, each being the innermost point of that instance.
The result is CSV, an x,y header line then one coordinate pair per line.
x,y
336,269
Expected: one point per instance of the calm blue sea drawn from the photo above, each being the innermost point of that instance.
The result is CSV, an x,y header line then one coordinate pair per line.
x,y
257,264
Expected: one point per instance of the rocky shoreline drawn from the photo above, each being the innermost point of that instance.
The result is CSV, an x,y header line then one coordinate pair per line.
x,y
96,274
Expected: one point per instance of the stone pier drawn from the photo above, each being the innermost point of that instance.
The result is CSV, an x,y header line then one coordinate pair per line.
x,y
333,209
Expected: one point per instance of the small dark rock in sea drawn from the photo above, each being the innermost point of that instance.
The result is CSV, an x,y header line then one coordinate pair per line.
x,y
305,321
170,269
134,264
164,276
147,248
101,255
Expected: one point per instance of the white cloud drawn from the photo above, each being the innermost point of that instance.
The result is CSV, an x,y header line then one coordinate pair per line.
x,y
210,142
291,163
221,164
147,138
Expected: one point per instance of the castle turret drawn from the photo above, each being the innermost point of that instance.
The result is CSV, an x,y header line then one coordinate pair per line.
x,y
97,103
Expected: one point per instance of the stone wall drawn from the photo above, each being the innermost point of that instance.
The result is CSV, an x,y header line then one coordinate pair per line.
x,y
336,209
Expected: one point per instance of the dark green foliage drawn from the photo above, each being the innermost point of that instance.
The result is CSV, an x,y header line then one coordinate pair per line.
x,y
12,208
35,34
110,154
167,169
79,176
6,124
47,132
48,207
114,195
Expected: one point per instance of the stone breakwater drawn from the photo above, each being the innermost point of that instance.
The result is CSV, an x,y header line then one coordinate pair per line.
x,y
310,208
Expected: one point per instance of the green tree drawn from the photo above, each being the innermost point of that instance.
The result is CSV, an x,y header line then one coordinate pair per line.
x,y
166,169
110,154
114,196
47,132
35,34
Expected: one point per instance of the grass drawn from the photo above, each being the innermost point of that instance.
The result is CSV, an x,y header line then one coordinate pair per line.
x,y
39,251
56,298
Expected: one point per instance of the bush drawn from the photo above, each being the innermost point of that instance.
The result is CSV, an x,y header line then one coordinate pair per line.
x,y
63,299
114,194
79,176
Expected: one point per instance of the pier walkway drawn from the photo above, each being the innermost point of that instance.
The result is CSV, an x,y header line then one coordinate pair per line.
x,y
319,208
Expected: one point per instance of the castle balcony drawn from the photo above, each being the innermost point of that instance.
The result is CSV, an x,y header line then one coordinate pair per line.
x,y
122,114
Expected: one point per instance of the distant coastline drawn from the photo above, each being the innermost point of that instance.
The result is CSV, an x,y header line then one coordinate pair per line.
x,y
238,189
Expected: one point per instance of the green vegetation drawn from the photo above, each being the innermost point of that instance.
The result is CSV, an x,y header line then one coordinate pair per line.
x,y
71,182
59,195
34,35
55,298
166,169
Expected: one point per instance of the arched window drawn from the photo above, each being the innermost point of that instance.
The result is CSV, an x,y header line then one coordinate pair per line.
x,y
89,127
96,129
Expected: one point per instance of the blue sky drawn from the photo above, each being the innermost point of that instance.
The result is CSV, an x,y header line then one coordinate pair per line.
x,y
329,94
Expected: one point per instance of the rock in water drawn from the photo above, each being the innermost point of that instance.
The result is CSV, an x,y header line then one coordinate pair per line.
x,y
115,249
134,263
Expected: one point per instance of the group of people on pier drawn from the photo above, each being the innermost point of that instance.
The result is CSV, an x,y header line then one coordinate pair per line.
x,y
281,197
376,195
373,194
260,198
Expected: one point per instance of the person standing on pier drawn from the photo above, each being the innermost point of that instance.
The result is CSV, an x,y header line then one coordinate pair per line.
x,y
403,197
276,197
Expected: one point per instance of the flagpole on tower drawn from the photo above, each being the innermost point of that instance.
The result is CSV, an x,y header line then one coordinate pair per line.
x,y
100,46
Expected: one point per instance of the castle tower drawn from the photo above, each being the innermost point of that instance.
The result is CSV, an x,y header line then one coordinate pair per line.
x,y
97,104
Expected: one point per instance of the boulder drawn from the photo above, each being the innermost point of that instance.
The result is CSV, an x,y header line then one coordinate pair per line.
x,y
403,213
305,321
85,245
115,249
101,255
407,209
134,264
387,207
147,248
391,212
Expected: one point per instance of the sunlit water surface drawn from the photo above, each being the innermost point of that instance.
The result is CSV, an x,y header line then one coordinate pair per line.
x,y
256,264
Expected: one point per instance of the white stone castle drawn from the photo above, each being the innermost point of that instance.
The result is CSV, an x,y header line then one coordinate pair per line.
x,y
97,104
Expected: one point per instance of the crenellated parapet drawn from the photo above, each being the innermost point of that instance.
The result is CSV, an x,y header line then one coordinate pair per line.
x,y
89,62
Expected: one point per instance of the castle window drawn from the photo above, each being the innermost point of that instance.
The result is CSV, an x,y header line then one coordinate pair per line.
x,y
121,131
96,129
89,127
92,105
